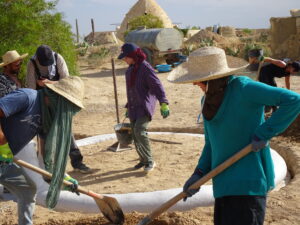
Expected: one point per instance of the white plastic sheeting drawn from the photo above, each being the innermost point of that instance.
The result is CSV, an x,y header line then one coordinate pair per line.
x,y
140,202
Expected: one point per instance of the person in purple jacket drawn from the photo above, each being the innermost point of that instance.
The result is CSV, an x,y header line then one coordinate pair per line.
x,y
143,90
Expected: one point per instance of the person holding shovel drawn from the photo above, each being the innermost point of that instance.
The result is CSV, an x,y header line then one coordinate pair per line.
x,y
143,90
233,112
25,113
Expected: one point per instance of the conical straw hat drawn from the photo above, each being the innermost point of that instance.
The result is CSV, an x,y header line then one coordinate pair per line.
x,y
206,63
71,88
10,57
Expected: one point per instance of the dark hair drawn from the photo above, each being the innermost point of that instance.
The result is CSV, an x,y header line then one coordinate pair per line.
x,y
295,65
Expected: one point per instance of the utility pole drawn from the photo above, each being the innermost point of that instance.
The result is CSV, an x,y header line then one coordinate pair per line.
x,y
77,31
93,30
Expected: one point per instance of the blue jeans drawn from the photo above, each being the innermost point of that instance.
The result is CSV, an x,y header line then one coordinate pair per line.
x,y
18,183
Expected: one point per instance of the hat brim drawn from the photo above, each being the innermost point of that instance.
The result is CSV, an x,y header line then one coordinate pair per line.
x,y
181,75
48,62
63,93
17,59
122,55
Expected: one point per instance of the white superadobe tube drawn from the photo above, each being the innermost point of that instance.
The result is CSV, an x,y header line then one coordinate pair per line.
x,y
140,202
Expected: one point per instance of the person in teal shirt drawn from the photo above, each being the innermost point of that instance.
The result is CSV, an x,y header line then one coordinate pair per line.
x,y
233,112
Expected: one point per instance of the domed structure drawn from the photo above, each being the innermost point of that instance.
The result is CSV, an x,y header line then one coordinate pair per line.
x,y
143,7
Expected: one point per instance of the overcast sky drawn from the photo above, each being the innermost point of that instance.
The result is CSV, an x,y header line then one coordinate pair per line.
x,y
203,13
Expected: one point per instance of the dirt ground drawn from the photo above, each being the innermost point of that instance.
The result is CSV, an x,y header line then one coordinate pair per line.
x,y
175,162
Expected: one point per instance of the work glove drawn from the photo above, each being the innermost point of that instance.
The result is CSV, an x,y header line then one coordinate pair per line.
x,y
194,178
258,144
73,187
164,110
6,154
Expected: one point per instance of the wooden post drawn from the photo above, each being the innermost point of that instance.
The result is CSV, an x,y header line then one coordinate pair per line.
x,y
115,88
77,31
93,30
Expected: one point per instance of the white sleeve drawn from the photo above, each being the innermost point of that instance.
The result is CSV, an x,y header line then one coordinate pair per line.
x,y
62,67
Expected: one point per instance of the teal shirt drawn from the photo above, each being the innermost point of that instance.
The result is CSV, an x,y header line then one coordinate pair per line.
x,y
239,118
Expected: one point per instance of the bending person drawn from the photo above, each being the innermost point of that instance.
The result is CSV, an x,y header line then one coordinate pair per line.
x,y
25,113
47,66
275,68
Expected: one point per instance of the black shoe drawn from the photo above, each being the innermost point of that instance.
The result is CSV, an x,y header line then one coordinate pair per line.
x,y
82,168
5,190
139,165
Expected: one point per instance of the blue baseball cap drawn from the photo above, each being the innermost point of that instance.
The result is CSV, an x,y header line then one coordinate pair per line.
x,y
44,55
127,48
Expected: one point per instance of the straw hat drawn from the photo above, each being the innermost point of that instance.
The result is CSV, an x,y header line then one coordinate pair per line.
x,y
10,57
206,63
71,88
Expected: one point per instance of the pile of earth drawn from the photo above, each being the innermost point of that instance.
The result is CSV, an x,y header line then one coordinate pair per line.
x,y
294,130
205,37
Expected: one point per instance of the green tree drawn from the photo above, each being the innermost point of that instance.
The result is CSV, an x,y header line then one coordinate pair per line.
x,y
148,20
26,24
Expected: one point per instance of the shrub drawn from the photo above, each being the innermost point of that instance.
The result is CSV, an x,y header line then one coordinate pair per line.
x,y
98,55
27,24
247,31
148,21
232,52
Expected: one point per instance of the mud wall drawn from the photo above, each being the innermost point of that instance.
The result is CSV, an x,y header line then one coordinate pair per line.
x,y
285,37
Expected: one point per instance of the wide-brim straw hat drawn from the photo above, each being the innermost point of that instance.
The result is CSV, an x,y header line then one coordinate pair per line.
x,y
11,56
71,88
207,63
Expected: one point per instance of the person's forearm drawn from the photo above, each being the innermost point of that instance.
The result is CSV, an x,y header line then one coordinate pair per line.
x,y
288,102
276,62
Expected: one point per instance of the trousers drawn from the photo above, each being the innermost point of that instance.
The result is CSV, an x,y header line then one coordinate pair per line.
x,y
141,140
75,154
240,210
14,178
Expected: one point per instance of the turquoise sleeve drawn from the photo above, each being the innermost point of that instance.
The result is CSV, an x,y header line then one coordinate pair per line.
x,y
287,101
204,163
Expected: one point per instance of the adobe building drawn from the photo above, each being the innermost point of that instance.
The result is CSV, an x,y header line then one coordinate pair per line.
x,y
285,36
143,7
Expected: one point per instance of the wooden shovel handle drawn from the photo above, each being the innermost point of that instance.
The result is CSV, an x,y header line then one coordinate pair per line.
x,y
164,207
49,175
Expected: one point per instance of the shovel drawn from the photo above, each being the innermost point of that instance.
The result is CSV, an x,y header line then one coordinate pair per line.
x,y
164,207
108,206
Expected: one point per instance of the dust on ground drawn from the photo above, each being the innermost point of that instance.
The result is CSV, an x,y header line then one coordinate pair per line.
x,y
113,173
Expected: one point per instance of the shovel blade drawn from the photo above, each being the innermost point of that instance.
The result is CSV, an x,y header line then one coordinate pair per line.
x,y
144,221
111,209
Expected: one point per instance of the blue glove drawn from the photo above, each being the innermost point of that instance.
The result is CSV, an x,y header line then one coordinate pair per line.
x,y
258,144
195,177
73,187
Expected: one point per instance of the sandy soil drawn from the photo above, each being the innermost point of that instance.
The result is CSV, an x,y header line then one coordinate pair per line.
x,y
113,171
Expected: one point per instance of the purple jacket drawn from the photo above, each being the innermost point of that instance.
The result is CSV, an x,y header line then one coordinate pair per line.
x,y
142,97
